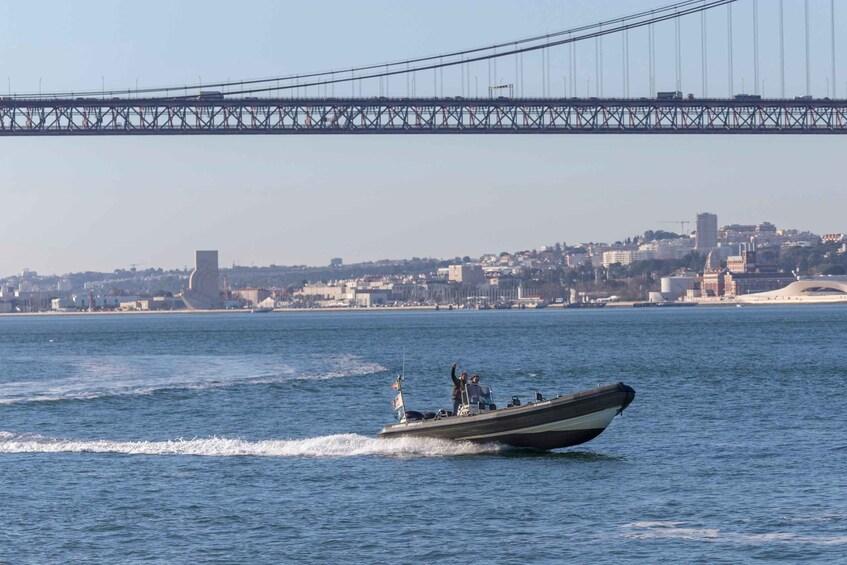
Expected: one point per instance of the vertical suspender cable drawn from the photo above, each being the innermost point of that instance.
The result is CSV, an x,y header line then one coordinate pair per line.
x,y
623,64
678,57
496,81
597,66
517,74
549,76
600,74
626,65
651,58
523,94
781,49
756,45
832,36
808,75
729,49
705,77
489,78
543,74
572,64
442,77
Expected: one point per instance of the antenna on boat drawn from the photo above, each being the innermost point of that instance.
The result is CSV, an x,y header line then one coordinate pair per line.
x,y
399,404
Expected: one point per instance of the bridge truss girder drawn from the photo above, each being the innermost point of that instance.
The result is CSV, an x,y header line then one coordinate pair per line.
x,y
418,116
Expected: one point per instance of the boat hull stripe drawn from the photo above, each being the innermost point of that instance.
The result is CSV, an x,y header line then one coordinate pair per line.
x,y
597,420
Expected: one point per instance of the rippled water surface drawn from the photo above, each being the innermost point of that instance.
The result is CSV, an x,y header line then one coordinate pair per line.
x,y
250,438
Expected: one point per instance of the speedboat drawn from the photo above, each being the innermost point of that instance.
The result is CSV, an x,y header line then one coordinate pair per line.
x,y
545,423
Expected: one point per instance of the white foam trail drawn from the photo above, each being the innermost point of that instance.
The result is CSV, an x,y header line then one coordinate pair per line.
x,y
109,376
676,530
339,445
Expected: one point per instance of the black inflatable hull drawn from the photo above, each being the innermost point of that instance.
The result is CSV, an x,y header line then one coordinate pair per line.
x,y
550,424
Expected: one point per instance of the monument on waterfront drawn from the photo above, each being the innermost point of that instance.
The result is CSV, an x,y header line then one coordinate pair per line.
x,y
203,292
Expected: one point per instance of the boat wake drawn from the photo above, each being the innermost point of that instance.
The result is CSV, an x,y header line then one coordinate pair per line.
x,y
103,377
679,530
339,445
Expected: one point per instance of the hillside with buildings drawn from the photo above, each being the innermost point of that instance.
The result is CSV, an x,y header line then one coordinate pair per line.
x,y
711,263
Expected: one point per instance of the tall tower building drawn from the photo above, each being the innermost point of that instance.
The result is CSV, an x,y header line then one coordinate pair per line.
x,y
706,237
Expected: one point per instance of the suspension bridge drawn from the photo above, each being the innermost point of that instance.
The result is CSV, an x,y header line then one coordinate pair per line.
x,y
440,94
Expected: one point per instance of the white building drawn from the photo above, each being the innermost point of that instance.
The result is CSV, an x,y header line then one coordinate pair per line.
x,y
372,297
466,274
325,291
625,256
669,248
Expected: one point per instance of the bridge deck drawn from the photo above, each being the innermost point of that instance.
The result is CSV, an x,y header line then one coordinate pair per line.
x,y
247,116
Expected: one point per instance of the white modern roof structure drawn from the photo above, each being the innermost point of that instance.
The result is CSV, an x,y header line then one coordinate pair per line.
x,y
813,290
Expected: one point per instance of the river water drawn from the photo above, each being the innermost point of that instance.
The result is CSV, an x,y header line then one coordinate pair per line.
x,y
250,438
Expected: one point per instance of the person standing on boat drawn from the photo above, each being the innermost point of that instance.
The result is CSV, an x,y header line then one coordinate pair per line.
x,y
474,390
458,387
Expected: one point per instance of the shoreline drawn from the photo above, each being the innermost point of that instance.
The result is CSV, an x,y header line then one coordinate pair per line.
x,y
614,305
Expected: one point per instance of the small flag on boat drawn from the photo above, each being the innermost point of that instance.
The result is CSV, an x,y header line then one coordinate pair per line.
x,y
397,403
395,386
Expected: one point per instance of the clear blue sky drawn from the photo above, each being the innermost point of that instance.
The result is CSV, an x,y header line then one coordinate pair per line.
x,y
102,203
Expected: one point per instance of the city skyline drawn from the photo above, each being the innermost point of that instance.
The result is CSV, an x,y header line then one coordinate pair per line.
x,y
103,203
622,242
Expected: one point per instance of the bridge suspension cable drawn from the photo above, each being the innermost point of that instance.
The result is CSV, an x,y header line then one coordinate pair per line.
x,y
696,6
433,62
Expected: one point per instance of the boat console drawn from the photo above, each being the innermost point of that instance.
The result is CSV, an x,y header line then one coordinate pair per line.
x,y
475,399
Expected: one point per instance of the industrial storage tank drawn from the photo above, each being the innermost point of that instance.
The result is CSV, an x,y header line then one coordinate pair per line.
x,y
674,288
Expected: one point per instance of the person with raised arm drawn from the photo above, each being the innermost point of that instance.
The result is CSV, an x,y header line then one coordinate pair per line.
x,y
458,387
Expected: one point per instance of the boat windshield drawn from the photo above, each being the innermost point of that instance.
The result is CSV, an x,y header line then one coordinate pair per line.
x,y
478,395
